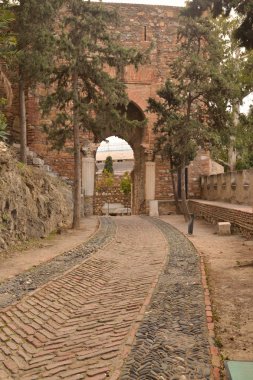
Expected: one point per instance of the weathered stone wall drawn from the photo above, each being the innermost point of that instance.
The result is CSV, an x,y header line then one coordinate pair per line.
x,y
113,195
32,204
232,187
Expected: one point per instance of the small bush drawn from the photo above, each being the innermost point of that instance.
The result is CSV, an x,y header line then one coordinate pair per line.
x,y
3,126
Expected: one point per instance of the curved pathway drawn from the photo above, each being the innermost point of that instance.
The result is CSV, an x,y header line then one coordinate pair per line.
x,y
83,324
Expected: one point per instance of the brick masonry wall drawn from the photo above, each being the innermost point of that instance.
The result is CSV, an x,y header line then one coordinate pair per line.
x,y
163,189
241,221
113,195
201,165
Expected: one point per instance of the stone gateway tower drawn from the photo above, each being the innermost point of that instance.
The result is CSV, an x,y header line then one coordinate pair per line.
x,y
140,25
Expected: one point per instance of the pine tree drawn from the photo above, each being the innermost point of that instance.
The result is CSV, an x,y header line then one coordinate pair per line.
x,y
192,107
86,96
34,25
7,45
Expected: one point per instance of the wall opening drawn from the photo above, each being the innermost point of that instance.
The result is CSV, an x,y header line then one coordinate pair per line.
x,y
110,197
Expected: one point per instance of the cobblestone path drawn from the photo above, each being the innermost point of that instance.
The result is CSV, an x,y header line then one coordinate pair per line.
x,y
172,341
82,325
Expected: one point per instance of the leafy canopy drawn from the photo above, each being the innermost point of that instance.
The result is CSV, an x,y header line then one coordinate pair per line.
x,y
105,182
125,184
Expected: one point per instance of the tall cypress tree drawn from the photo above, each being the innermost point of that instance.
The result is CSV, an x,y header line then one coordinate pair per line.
x,y
108,164
192,108
34,23
7,43
87,97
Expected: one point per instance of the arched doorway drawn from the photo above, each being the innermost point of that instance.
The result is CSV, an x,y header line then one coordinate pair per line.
x,y
134,137
114,165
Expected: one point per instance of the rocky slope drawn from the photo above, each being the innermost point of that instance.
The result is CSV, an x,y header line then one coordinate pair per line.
x,y
32,204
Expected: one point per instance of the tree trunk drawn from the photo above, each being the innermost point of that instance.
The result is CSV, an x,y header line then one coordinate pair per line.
x,y
174,188
22,116
232,153
77,157
183,193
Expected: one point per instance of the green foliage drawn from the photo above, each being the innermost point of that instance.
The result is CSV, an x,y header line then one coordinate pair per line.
x,y
125,184
244,141
239,63
5,217
7,37
105,182
88,50
193,104
3,126
108,165
7,49
21,167
244,31
34,28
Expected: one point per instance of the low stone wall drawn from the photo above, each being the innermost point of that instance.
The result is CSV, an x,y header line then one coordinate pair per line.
x,y
32,204
232,187
241,221
113,195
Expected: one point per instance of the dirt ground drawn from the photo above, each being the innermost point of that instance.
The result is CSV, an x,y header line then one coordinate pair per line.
x,y
229,265
16,261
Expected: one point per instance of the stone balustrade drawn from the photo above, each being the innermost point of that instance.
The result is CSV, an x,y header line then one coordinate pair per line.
x,y
232,187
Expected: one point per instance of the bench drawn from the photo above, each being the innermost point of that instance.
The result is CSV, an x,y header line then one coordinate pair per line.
x,y
115,209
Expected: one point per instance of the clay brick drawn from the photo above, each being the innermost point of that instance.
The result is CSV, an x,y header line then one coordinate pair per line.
x,y
73,372
98,371
11,365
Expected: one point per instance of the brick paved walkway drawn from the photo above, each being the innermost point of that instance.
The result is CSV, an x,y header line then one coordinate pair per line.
x,y
82,325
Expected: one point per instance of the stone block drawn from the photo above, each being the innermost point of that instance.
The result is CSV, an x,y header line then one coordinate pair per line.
x,y
224,228
38,161
153,208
